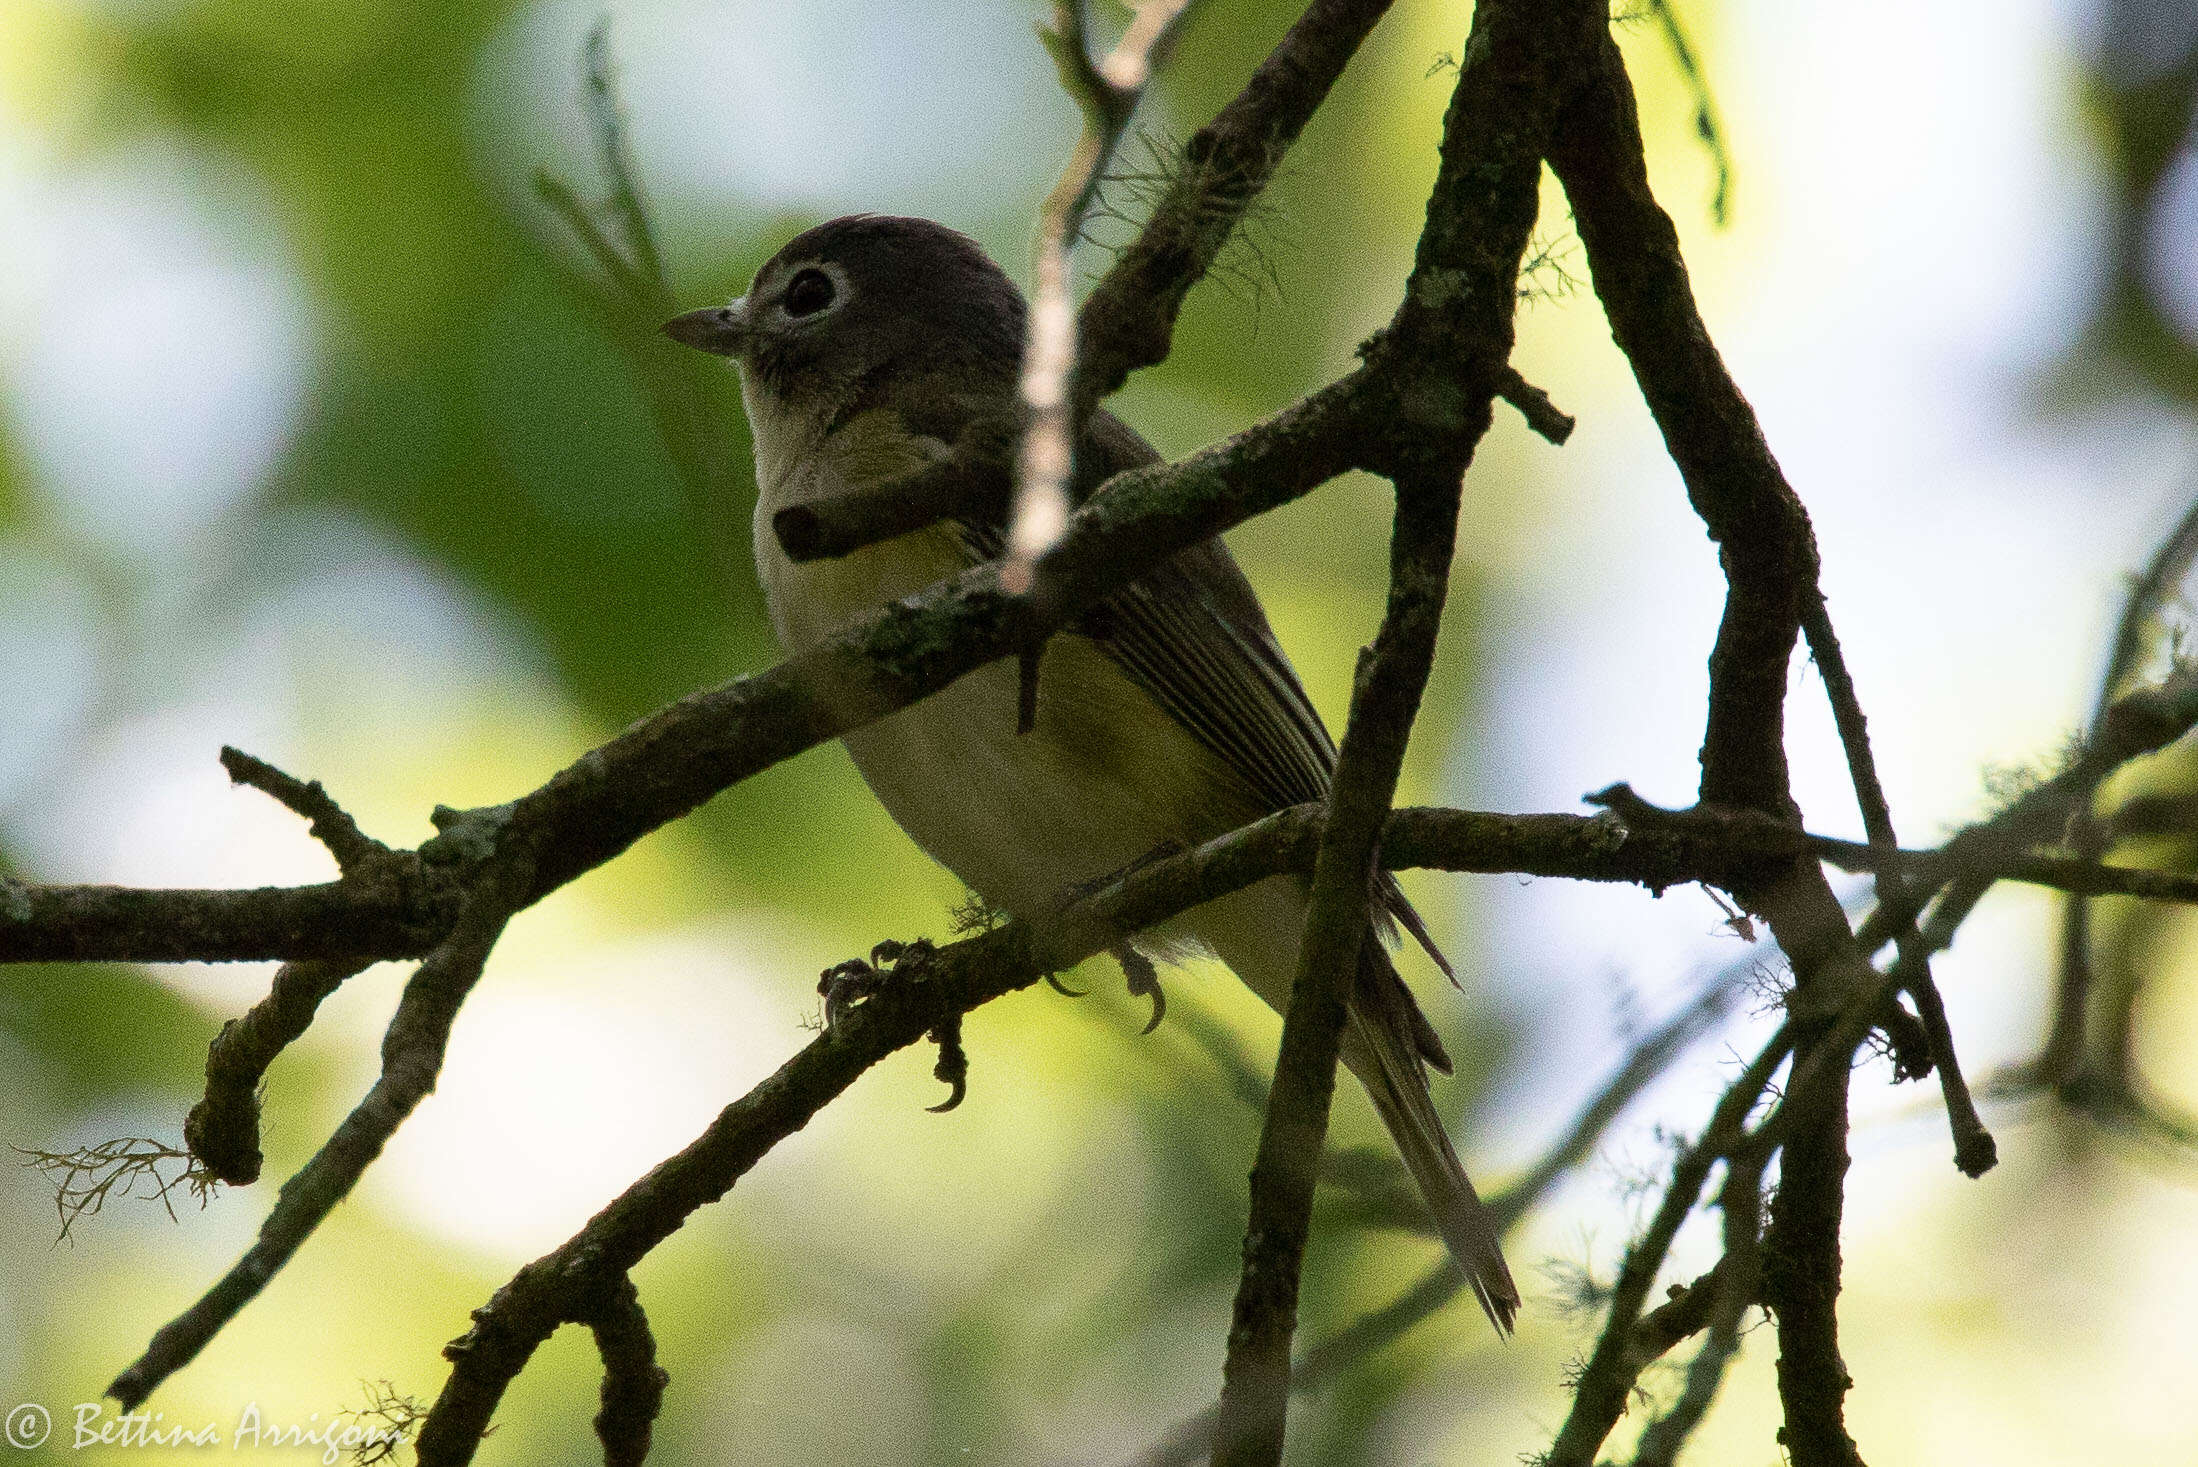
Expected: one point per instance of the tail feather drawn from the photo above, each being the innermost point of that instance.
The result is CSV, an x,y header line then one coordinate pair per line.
x,y
1383,1051
1385,1044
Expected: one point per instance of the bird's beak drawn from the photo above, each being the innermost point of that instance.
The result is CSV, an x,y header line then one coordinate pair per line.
x,y
719,330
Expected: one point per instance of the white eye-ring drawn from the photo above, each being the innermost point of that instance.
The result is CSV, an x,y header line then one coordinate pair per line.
x,y
811,291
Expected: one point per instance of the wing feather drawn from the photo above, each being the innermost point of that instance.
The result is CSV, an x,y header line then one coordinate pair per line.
x,y
1192,634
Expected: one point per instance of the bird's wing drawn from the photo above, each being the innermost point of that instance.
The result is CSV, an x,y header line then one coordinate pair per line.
x,y
1192,634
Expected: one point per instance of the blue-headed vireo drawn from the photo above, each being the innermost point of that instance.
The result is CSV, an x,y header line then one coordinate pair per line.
x,y
866,347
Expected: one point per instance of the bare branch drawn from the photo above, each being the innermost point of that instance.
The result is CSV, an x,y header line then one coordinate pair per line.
x,y
222,1130
1768,552
1393,675
567,1285
1599,1399
974,482
1444,350
687,395
1706,125
402,914
1730,1291
2062,1057
633,1383
1542,415
1767,548
1107,93
1129,320
1192,1438
412,1055
331,825
1537,79
1974,1150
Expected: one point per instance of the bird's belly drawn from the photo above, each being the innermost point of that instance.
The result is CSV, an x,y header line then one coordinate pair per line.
x,y
1103,779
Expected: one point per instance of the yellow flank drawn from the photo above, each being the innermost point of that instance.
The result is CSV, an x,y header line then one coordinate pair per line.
x,y
1012,814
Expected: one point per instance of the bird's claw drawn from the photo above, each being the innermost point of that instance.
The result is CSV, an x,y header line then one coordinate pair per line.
x,y
844,985
1053,980
889,954
1144,982
953,1066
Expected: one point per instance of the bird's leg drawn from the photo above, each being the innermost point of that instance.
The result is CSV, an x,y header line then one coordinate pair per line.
x,y
844,985
1144,978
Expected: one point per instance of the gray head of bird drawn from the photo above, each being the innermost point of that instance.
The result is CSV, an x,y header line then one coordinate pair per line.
x,y
860,303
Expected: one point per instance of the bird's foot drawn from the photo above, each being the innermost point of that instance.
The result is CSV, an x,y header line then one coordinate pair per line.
x,y
1144,982
844,985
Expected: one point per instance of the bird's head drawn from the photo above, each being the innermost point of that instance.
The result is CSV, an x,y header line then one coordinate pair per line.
x,y
860,304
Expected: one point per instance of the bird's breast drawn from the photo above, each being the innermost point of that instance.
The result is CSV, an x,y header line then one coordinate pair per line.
x,y
1104,776
798,462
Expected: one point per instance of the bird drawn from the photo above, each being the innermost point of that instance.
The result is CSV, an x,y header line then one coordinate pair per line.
x,y
866,348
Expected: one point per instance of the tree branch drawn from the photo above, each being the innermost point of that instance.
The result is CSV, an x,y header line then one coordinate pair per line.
x,y
222,1130
1442,354
567,1285
1975,1153
1107,93
1393,675
1607,1381
633,1383
1768,553
1192,1438
412,1056
1765,545
1128,322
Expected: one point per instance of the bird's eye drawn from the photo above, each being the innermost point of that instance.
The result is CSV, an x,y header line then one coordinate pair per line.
x,y
809,292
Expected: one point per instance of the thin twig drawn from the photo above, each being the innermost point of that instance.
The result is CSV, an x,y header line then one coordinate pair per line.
x,y
330,823
1128,322
1542,415
412,1056
688,396
1392,677
1706,126
1975,1152
2062,1055
1107,93
1191,1439
222,1130
1731,1290
1606,1382
606,114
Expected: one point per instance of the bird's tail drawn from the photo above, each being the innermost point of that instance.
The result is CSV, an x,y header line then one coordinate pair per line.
x,y
1383,1047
